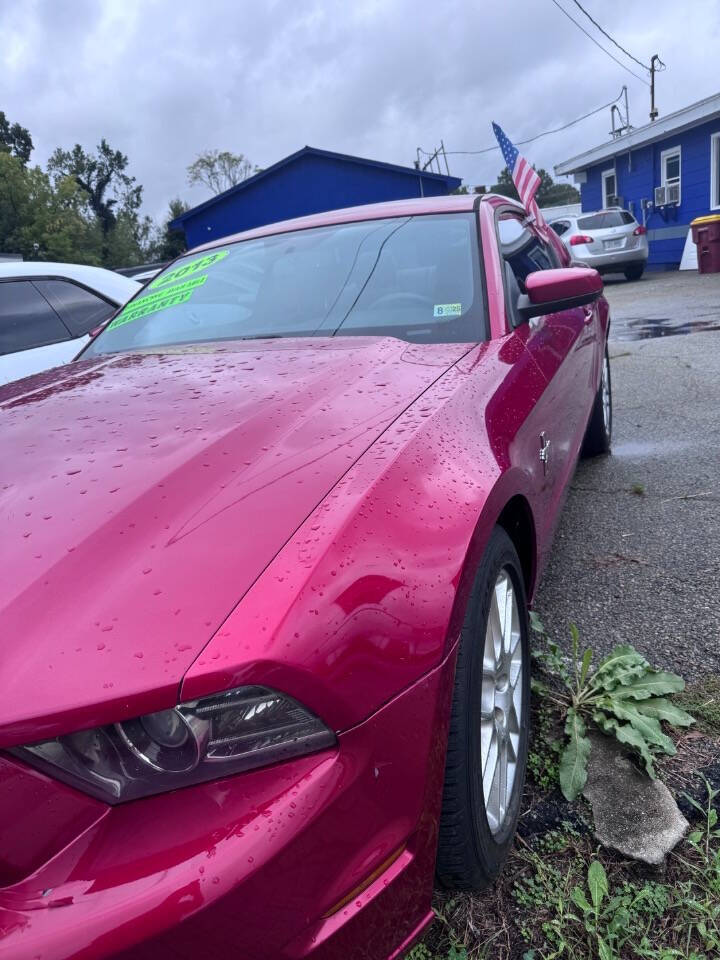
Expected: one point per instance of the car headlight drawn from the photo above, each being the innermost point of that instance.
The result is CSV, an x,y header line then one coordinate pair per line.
x,y
196,741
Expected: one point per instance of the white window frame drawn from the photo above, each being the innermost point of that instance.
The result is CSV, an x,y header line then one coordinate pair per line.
x,y
715,171
664,157
605,174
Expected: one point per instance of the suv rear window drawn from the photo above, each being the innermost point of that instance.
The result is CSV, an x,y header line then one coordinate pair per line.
x,y
605,220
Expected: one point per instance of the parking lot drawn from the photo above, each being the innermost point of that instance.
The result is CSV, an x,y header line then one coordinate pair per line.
x,y
636,556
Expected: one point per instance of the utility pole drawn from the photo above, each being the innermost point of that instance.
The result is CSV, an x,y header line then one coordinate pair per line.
x,y
623,122
435,158
627,109
442,148
653,68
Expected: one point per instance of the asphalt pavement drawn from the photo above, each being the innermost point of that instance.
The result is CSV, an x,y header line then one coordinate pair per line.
x,y
636,557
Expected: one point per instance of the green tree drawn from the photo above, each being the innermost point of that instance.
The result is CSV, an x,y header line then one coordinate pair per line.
x,y
43,222
219,170
505,186
15,139
109,191
131,240
549,193
170,243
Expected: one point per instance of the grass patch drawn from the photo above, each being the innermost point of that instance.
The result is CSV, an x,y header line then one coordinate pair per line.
x,y
702,700
543,767
561,896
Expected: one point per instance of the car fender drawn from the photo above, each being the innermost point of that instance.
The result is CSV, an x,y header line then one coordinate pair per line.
x,y
368,595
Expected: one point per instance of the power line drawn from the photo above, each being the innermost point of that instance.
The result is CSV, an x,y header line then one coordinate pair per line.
x,y
619,46
604,50
537,136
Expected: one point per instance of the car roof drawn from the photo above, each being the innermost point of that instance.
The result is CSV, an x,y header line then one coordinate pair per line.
x,y
454,203
111,285
591,213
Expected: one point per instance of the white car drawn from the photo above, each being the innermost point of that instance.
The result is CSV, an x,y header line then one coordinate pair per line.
x,y
47,311
611,241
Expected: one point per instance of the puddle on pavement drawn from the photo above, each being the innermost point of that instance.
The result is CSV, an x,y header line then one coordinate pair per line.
x,y
647,328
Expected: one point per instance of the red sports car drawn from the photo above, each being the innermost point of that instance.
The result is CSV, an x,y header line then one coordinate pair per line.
x,y
268,548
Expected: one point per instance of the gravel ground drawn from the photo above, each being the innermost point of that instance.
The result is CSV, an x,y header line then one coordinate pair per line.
x,y
637,552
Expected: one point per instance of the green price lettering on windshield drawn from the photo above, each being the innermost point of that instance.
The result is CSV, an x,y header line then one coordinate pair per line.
x,y
161,300
185,269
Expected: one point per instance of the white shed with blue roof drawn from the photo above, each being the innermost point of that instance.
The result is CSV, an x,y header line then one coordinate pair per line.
x,y
666,173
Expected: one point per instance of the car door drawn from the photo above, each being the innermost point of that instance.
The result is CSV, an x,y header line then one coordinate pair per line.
x,y
564,347
32,335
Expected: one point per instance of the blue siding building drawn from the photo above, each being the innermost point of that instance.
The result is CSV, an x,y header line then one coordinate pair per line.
x,y
666,173
309,181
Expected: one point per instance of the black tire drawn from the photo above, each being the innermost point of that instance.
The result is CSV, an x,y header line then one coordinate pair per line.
x,y
470,856
598,436
635,271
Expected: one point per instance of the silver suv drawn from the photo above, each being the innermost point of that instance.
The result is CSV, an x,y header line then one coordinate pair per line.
x,y
610,240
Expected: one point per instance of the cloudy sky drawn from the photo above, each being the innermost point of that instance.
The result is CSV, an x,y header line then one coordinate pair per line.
x,y
165,79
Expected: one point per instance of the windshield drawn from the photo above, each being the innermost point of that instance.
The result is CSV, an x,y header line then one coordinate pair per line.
x,y
415,278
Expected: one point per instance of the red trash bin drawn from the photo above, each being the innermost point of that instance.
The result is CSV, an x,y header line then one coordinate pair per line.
x,y
706,234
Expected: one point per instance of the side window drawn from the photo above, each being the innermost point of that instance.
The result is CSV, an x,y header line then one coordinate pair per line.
x,y
26,318
523,252
609,187
670,171
560,227
78,308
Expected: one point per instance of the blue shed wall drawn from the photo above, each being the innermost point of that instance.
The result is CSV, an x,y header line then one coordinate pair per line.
x,y
310,184
637,178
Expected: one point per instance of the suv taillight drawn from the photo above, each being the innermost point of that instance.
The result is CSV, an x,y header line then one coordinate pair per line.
x,y
639,231
580,238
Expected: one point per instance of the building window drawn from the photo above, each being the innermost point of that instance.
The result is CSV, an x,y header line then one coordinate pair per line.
x,y
609,188
715,171
670,171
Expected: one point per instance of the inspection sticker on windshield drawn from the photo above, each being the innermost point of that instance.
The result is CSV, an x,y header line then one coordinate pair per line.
x,y
161,300
185,269
447,310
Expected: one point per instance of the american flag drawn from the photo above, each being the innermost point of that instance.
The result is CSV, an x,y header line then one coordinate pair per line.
x,y
524,177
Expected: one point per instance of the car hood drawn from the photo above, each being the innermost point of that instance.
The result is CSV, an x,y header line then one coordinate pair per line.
x,y
141,496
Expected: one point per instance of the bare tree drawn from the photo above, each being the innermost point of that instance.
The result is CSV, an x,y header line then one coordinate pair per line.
x,y
219,170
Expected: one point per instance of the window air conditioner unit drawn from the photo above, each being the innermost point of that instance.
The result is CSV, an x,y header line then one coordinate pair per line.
x,y
614,201
666,195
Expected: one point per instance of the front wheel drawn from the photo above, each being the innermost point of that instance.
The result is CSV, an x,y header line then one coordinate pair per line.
x,y
598,435
488,739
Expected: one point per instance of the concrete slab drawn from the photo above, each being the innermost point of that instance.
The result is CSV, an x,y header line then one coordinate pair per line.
x,y
633,814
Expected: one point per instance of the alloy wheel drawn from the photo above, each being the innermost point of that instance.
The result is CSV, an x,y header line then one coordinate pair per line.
x,y
606,394
502,707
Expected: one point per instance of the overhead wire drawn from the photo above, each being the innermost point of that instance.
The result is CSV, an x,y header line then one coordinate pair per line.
x,y
597,44
537,136
611,39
